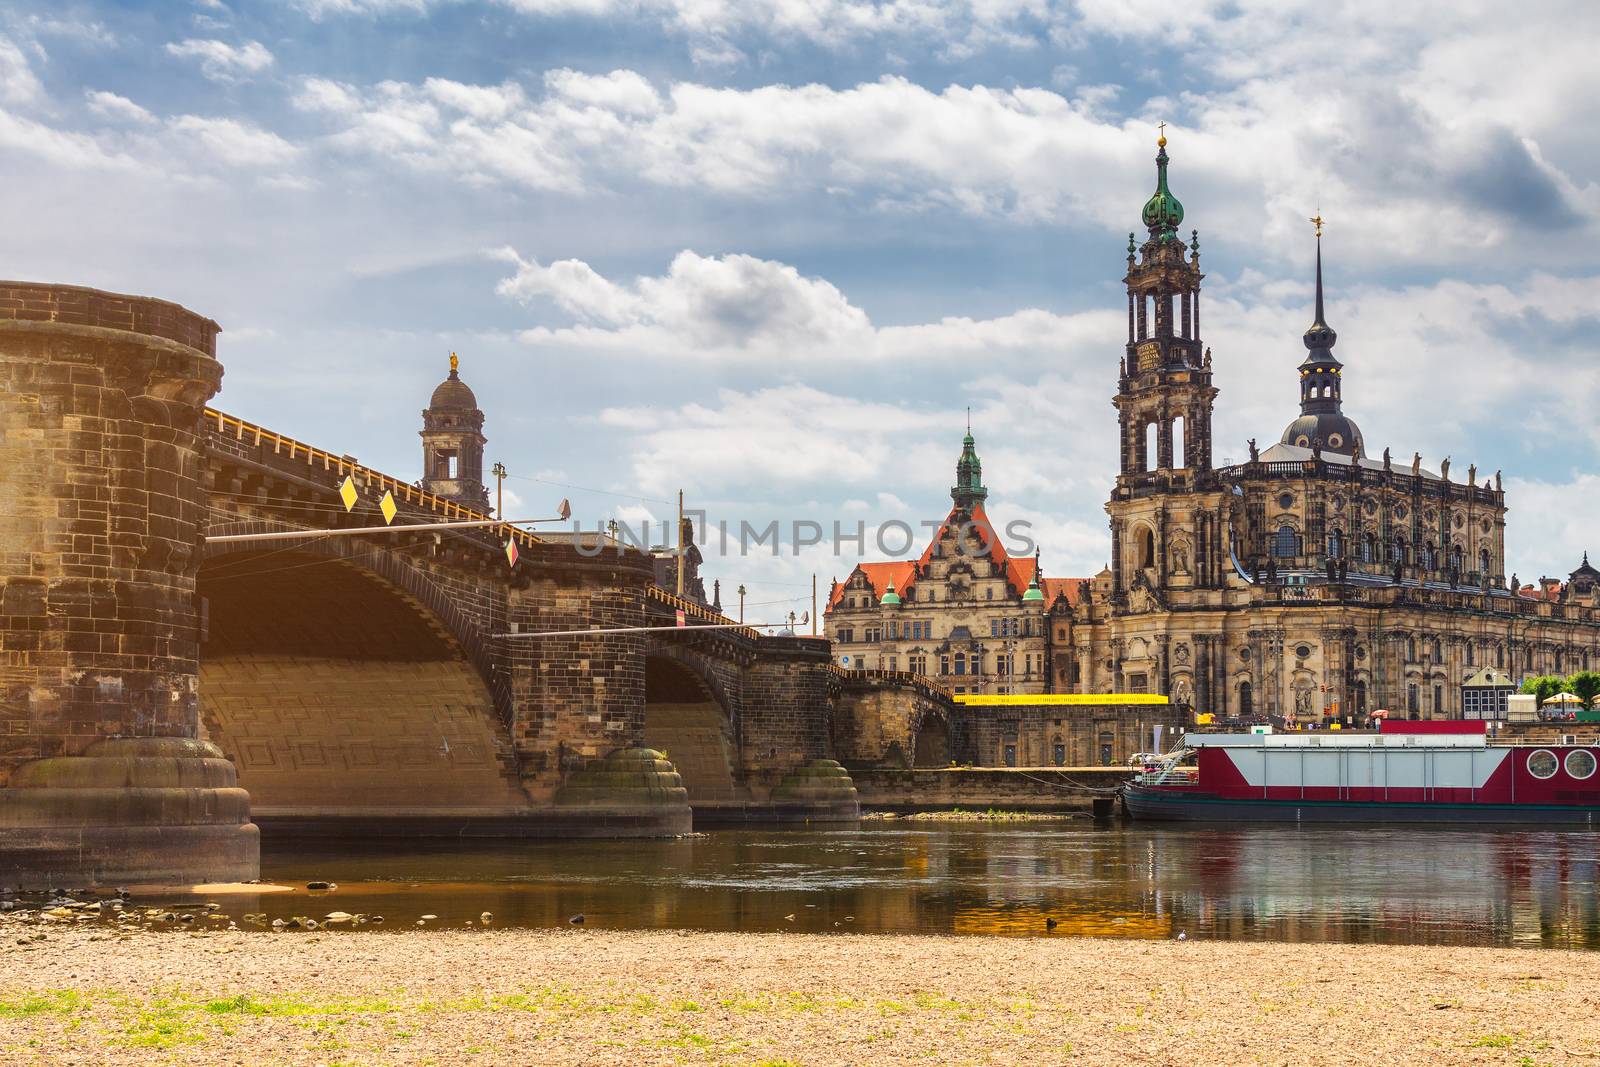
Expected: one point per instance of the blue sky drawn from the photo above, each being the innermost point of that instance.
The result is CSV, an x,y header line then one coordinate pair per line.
x,y
770,251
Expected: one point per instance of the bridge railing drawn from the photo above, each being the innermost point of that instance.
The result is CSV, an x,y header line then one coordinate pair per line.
x,y
228,426
691,610
899,677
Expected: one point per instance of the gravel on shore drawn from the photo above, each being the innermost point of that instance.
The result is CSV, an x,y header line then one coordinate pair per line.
x,y
586,996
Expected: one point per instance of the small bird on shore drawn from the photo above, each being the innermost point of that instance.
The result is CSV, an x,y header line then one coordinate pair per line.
x,y
1049,923
1183,935
576,920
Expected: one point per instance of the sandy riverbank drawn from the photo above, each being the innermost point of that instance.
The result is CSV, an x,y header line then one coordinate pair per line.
x,y
595,997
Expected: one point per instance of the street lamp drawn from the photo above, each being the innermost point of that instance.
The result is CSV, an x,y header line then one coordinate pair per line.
x,y
741,602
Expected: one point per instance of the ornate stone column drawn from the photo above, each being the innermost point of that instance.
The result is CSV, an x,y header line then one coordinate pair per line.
x,y
103,779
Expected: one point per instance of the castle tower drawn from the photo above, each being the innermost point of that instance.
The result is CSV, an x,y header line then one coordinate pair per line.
x,y
1322,419
1164,391
452,443
968,492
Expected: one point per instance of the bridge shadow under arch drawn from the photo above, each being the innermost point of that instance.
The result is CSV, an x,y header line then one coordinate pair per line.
x,y
685,717
336,691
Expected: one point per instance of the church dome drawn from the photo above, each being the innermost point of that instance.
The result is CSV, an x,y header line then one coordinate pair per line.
x,y
453,394
1338,433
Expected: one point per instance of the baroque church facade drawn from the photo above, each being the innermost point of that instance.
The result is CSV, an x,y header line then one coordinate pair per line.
x,y
1313,581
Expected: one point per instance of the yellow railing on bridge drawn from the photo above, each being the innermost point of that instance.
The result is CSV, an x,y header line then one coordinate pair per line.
x,y
404,492
692,610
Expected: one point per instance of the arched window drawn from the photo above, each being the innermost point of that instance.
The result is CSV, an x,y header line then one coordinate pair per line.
x,y
1336,544
1500,656
1425,560
1470,656
1456,558
1411,650
1287,543
1397,551
1152,452
1558,660
1246,707
1438,655
1369,548
961,663
1180,457
1483,561
1147,548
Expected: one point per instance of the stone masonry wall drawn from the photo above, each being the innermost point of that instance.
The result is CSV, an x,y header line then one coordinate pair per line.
x,y
100,512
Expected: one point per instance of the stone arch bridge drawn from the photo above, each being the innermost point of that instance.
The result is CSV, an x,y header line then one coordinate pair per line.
x,y
162,688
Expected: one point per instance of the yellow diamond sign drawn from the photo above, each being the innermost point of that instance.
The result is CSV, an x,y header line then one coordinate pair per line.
x,y
511,551
389,508
347,493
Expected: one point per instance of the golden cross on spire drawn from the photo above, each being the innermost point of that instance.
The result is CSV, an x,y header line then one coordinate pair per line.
x,y
1162,140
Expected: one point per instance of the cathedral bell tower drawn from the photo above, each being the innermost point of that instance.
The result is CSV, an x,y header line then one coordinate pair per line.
x,y
1164,391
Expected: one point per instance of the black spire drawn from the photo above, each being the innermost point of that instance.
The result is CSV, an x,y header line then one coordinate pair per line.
x,y
1321,371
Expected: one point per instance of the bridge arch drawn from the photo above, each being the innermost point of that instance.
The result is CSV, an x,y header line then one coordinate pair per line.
x,y
337,679
686,716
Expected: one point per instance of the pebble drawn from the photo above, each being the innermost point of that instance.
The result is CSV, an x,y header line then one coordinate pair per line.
x,y
486,917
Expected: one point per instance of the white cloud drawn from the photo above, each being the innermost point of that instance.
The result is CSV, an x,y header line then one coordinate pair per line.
x,y
221,61
741,308
18,83
112,106
235,143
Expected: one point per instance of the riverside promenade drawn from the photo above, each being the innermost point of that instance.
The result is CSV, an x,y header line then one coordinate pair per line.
x,y
586,996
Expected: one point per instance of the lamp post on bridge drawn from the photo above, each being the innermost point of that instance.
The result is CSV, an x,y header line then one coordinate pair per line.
x,y
499,472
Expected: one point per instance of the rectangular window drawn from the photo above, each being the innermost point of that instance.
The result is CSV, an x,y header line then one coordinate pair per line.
x,y
894,662
1138,683
994,627
1438,699
1411,698
944,664
1011,755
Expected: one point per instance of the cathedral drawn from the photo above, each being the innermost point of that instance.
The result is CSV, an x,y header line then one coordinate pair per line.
x,y
1315,581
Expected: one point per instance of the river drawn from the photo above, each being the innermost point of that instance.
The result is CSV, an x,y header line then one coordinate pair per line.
x,y
1350,884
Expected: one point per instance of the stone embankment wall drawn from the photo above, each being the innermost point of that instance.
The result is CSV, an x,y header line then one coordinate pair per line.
x,y
983,788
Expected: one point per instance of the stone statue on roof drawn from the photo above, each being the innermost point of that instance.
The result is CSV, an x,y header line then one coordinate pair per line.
x,y
1416,464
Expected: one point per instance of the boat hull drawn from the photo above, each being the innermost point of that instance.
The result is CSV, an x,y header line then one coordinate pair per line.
x,y
1187,805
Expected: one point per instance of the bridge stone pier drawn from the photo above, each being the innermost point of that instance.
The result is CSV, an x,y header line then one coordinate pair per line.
x,y
102,775
164,693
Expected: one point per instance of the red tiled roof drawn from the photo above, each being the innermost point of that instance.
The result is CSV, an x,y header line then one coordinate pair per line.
x,y
1019,570
901,572
1074,589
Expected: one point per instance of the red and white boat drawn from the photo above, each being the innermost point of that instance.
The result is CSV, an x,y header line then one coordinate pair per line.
x,y
1436,772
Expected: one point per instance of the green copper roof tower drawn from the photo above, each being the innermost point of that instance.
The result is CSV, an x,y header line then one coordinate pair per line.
x,y
968,492
889,595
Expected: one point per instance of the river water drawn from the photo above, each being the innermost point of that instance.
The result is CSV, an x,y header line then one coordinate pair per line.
x,y
1356,884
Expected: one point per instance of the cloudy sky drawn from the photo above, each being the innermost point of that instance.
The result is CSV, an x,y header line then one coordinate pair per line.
x,y
770,251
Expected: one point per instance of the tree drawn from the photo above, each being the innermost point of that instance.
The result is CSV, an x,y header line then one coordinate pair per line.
x,y
1545,686
1585,684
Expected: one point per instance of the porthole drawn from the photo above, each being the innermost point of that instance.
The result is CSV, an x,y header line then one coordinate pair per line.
x,y
1543,764
1303,441
1580,763
1303,651
1286,500
1335,440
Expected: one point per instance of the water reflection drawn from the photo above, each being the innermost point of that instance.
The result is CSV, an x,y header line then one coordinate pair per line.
x,y
1258,883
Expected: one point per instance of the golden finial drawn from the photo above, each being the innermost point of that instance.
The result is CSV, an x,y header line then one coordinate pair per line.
x,y
455,363
1316,220
1161,141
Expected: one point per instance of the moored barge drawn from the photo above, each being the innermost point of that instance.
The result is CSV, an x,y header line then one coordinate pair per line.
x,y
1408,772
